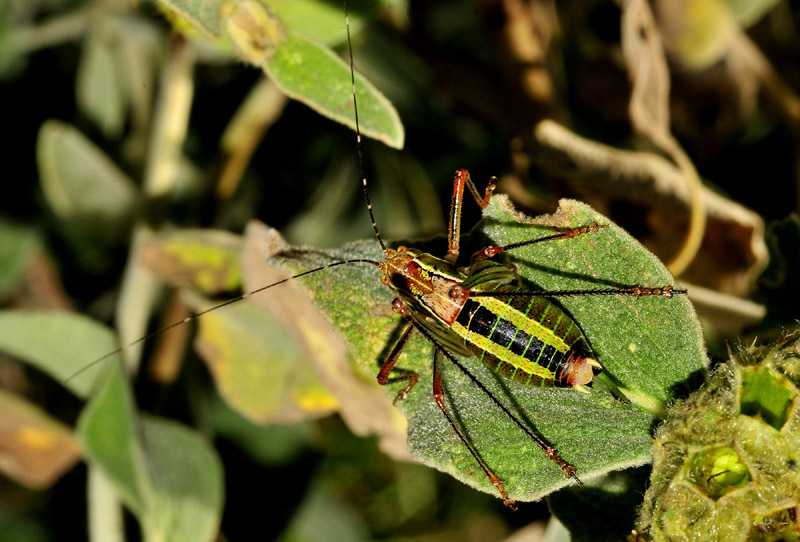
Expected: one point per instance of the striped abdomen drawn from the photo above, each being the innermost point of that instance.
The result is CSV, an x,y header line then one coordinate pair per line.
x,y
527,339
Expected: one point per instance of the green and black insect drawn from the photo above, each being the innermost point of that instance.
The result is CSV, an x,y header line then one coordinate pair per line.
x,y
478,311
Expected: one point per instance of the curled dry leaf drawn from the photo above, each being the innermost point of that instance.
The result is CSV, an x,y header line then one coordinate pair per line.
x,y
362,404
647,179
647,68
260,374
649,112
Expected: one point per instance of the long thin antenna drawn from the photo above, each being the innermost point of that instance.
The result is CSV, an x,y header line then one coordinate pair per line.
x,y
358,131
215,307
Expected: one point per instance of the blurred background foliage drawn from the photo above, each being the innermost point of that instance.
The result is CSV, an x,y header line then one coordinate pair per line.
x,y
134,118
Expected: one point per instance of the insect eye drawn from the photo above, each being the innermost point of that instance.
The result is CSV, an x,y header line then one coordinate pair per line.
x,y
385,280
399,281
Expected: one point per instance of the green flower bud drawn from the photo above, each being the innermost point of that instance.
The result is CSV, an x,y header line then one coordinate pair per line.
x,y
727,459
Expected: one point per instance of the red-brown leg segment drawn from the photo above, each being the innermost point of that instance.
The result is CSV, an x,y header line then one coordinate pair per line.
x,y
438,396
633,291
488,252
388,365
551,453
461,180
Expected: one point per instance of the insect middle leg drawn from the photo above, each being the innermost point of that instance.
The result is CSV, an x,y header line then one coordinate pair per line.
x,y
462,180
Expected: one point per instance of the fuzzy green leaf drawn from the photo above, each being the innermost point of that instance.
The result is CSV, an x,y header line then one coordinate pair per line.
x,y
650,345
108,429
310,72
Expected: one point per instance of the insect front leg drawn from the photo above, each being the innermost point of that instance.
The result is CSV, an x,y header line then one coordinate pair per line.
x,y
388,366
438,396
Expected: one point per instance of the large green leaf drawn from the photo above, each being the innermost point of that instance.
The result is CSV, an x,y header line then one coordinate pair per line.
x,y
650,345
310,72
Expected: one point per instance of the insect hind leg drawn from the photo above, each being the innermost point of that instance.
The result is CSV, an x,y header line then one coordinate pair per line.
x,y
438,396
550,452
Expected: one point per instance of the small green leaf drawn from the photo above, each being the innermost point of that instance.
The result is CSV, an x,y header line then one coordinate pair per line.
x,y
168,476
58,343
17,245
99,86
108,429
301,67
187,478
310,72
318,19
651,345
81,183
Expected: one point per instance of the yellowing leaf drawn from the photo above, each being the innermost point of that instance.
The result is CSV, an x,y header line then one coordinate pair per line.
x,y
35,449
258,369
206,260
